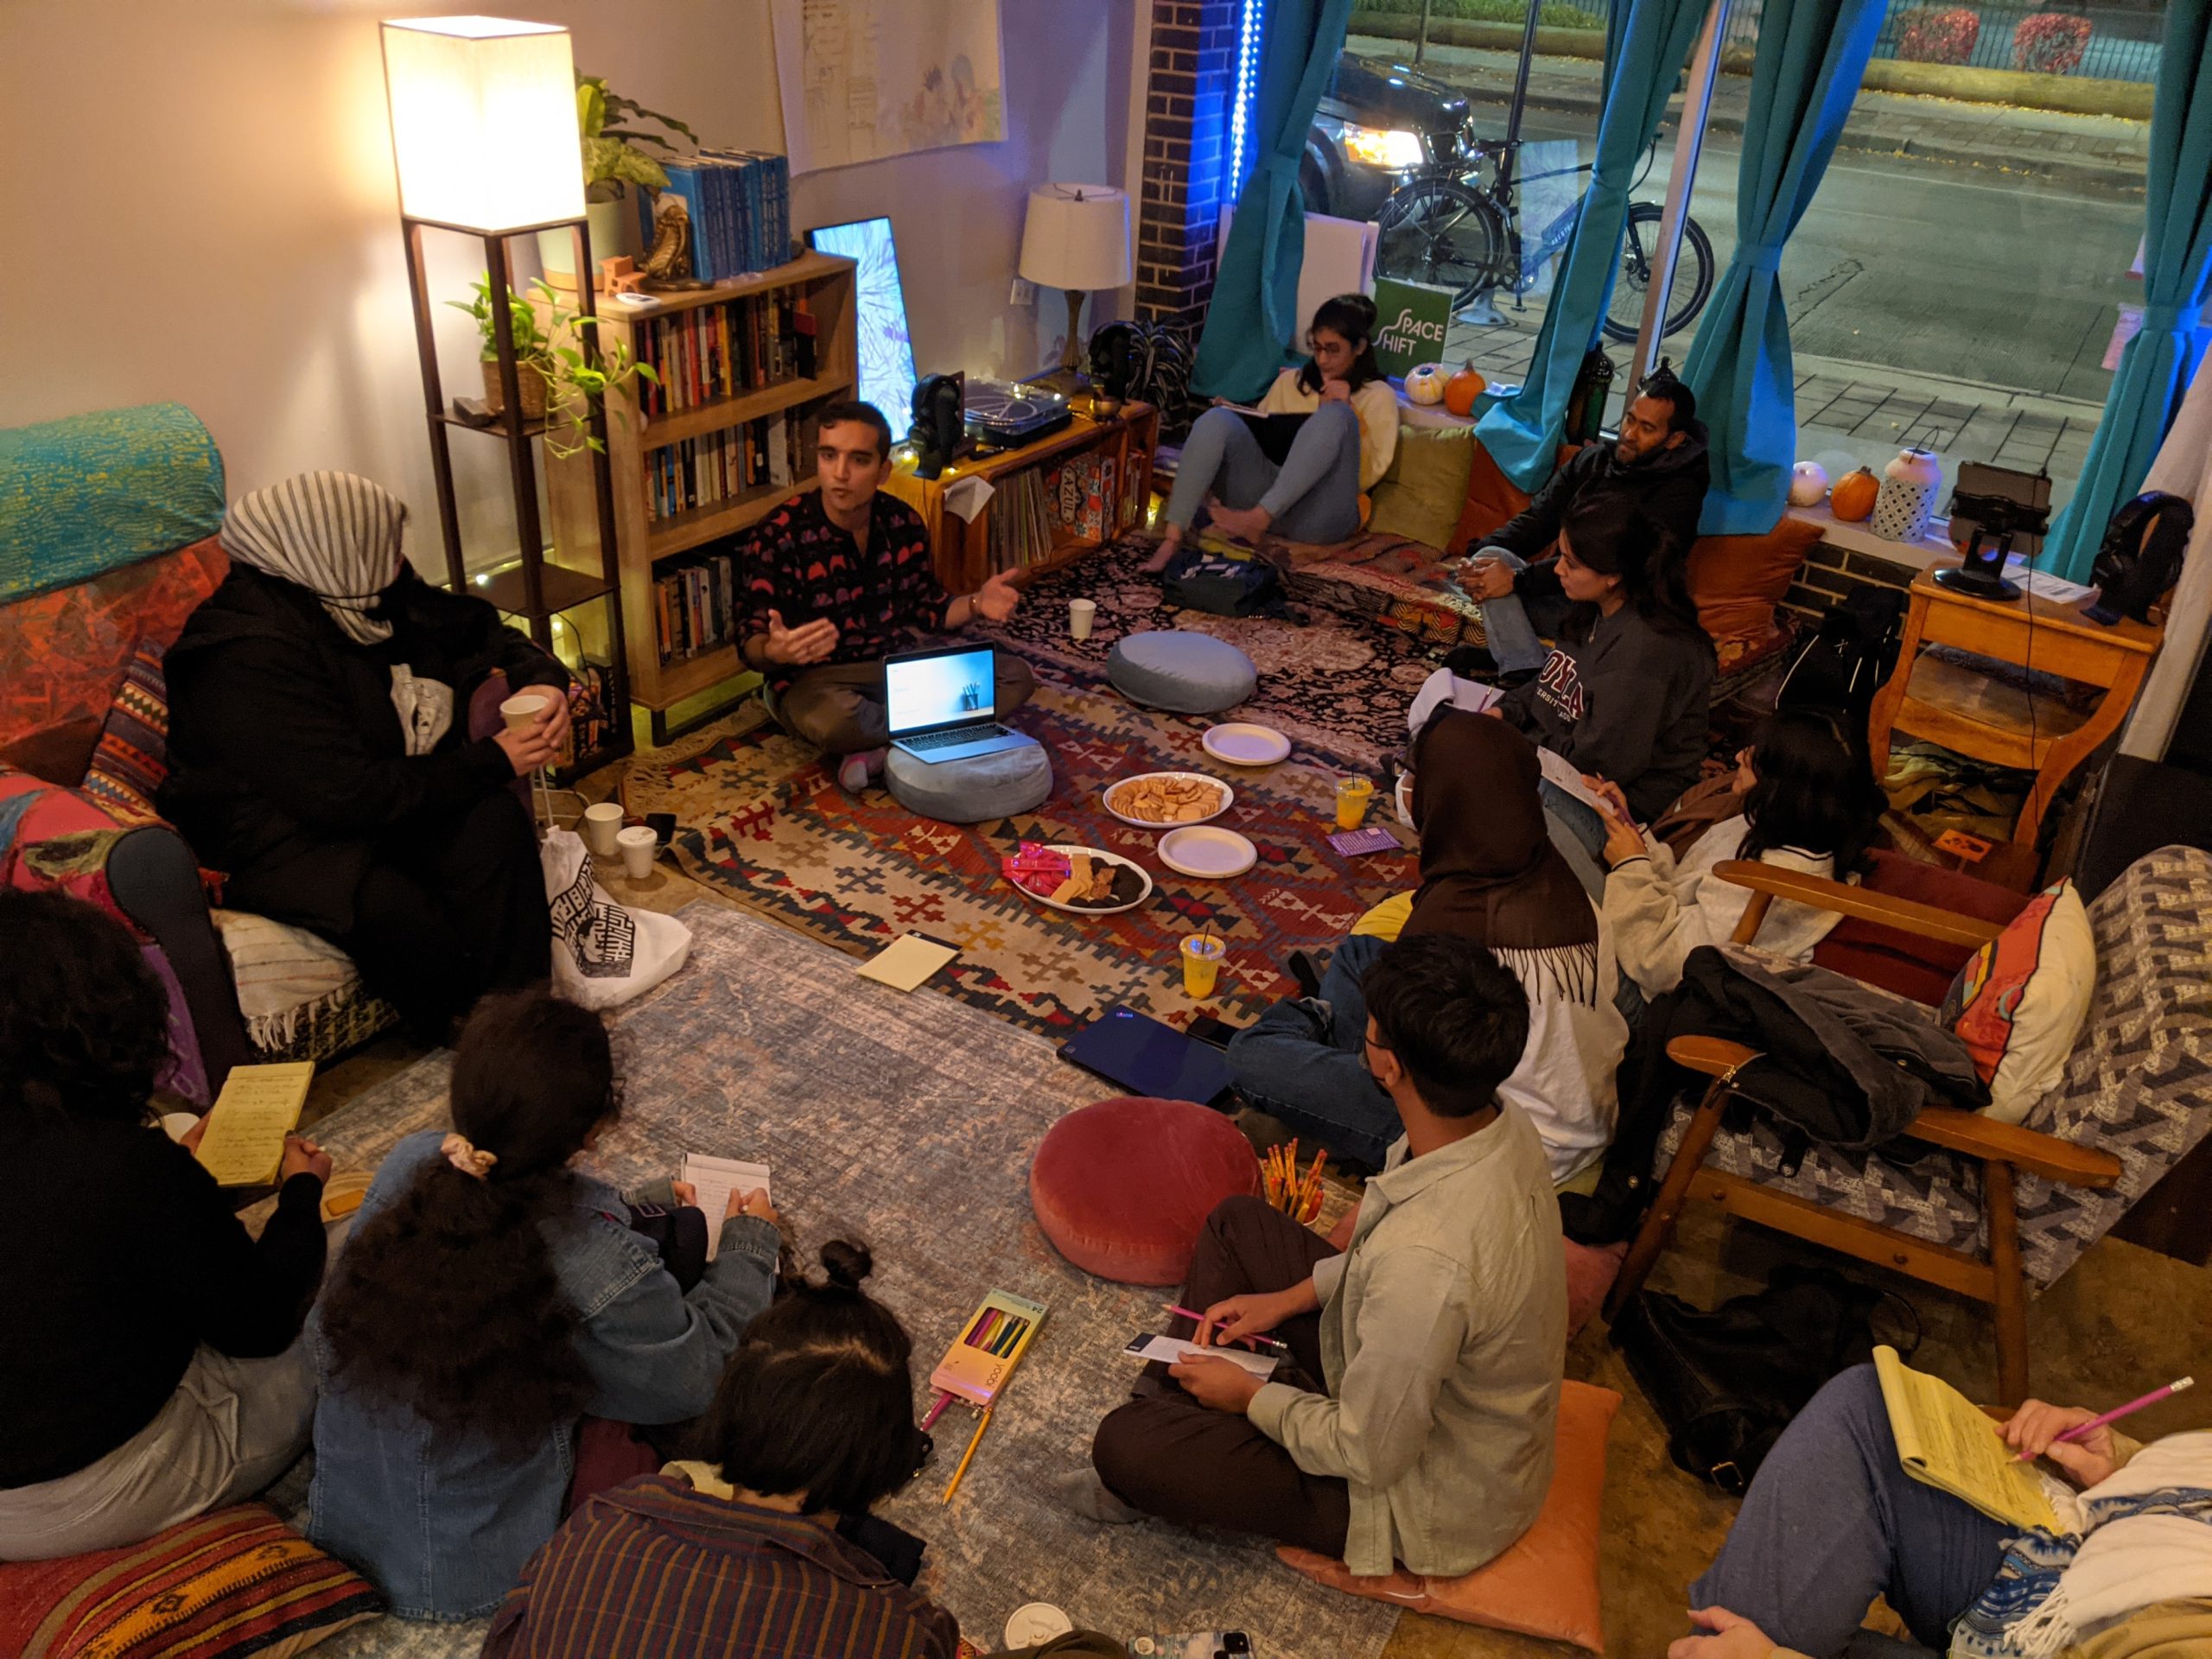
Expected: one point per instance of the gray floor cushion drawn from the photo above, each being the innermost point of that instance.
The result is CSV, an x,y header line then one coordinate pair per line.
x,y
1185,673
974,790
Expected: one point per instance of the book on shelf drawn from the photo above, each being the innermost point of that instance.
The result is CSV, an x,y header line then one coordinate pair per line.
x,y
718,466
593,725
740,206
713,352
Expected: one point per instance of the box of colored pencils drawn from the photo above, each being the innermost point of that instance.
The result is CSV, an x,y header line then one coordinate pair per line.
x,y
991,1343
1297,1196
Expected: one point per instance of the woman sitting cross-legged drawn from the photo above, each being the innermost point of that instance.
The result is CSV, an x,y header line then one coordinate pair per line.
x,y
1414,1420
490,1296
1810,805
744,1554
320,754
149,1361
1339,451
1489,872
1831,1520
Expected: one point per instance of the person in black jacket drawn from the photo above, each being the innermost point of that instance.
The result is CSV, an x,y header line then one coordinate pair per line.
x,y
318,753
1659,464
151,1367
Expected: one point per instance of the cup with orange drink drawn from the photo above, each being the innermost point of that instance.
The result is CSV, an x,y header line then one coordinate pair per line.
x,y
1352,795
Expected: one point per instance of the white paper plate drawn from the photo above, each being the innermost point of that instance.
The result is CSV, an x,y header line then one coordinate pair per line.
x,y
1209,854
1243,744
1106,799
1144,893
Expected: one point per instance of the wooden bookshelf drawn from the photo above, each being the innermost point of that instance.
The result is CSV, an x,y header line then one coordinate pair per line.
x,y
825,284
961,549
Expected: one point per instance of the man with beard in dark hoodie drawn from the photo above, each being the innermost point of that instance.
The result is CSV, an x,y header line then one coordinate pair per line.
x,y
1658,464
320,755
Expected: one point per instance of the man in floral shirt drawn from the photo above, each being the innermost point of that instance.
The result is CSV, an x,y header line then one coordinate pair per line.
x,y
840,578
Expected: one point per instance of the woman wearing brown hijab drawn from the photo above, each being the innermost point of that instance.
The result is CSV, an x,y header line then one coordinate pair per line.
x,y
1489,872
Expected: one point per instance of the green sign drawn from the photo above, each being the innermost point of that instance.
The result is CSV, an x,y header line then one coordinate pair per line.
x,y
1409,322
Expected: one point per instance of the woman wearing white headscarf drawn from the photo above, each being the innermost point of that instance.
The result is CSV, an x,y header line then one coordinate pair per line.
x,y
320,757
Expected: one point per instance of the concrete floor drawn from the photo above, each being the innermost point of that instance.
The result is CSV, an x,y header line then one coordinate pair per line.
x,y
2123,1321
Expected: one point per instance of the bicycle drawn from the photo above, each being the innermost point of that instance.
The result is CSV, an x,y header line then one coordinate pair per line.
x,y
1445,228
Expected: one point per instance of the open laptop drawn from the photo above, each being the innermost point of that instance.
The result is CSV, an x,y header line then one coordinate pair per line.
x,y
940,704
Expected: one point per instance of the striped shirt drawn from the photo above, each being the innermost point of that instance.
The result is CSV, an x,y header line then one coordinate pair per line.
x,y
654,1570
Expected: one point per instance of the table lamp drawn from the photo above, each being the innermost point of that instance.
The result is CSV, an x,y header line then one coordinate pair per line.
x,y
1076,237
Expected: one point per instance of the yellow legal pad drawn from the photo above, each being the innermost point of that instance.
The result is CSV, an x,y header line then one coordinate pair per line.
x,y
907,962
259,1106
1945,1442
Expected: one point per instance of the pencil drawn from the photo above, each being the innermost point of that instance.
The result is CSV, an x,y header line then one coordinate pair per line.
x,y
968,1456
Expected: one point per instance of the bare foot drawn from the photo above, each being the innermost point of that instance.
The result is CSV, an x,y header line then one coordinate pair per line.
x,y
1244,523
1170,545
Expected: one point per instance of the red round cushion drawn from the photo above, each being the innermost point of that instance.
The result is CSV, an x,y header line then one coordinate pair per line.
x,y
1123,1188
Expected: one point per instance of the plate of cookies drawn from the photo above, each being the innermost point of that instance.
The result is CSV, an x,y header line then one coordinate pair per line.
x,y
1168,800
1082,879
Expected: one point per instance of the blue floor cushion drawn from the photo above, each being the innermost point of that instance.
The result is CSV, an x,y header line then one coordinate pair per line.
x,y
1185,673
975,790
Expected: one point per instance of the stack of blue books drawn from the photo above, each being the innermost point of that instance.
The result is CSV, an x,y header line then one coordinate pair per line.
x,y
740,202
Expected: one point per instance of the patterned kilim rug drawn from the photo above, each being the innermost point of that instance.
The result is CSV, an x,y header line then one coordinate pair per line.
x,y
761,821
908,1122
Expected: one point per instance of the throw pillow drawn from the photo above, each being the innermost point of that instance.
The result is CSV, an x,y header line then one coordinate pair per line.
x,y
2021,1001
1546,1583
1736,580
132,758
1493,497
236,1582
1420,496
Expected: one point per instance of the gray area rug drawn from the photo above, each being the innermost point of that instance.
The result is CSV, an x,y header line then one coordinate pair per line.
x,y
908,1122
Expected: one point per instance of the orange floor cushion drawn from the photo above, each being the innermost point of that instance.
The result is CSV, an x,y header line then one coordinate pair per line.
x,y
1737,580
1122,1187
1546,1583
1493,497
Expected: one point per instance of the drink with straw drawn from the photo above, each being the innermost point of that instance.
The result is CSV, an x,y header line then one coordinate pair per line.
x,y
1352,797
1202,954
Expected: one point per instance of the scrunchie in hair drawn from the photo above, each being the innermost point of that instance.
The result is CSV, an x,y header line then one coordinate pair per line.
x,y
466,1157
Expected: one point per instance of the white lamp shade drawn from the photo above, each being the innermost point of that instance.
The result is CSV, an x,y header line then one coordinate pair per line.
x,y
1077,237
483,122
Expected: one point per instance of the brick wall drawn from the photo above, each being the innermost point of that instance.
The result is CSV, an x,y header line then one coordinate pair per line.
x,y
1185,137
1829,573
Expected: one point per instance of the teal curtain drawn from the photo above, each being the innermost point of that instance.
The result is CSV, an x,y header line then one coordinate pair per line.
x,y
1647,42
1253,318
1805,71
2156,366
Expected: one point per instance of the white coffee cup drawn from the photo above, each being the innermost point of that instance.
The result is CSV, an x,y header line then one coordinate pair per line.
x,y
601,824
1082,613
639,843
524,708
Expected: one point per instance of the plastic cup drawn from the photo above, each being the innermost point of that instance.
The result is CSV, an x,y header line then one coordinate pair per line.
x,y
638,844
1082,613
1352,797
523,708
1202,954
601,825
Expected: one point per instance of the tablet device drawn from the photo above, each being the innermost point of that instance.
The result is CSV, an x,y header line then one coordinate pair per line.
x,y
1146,1057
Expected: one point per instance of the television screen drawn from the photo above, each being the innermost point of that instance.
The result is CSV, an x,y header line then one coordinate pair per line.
x,y
887,350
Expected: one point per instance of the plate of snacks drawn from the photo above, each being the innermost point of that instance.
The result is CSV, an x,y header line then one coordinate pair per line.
x,y
1167,800
1080,879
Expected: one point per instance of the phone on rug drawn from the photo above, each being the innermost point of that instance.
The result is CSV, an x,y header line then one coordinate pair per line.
x,y
1193,1645
1207,1029
663,824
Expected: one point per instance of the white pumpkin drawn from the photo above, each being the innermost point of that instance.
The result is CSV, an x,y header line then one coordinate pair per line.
x,y
1809,484
1426,383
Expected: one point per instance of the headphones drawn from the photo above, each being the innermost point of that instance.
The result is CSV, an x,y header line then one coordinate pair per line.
x,y
940,422
2140,557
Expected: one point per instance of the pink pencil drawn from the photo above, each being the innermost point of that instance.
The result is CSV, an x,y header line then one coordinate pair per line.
x,y
1257,1342
2119,1411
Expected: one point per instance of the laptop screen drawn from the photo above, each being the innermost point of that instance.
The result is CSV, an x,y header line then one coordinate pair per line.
x,y
938,691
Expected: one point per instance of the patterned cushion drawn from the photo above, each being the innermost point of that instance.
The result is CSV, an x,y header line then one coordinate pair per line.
x,y
133,755
236,1582
2139,1086
295,988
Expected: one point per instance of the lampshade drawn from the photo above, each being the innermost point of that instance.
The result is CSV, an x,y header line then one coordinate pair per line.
x,y
1077,237
483,122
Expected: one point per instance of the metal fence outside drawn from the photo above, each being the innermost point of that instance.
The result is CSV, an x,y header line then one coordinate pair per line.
x,y
2121,45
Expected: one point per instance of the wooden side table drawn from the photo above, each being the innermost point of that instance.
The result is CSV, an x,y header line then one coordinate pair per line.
x,y
963,547
1989,719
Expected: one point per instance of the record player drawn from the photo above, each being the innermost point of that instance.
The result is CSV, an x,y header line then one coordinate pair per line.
x,y
1005,413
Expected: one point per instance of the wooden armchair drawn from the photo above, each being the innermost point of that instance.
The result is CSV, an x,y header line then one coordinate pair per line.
x,y
1998,1153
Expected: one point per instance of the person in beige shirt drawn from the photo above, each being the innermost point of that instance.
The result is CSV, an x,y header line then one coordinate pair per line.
x,y
1411,1419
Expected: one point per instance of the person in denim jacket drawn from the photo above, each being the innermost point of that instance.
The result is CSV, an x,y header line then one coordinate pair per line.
x,y
490,1297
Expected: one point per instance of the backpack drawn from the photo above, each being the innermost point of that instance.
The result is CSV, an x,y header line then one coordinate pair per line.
x,y
1840,667
1223,584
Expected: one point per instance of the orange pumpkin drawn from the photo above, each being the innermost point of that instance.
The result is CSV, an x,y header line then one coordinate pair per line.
x,y
1853,498
1462,389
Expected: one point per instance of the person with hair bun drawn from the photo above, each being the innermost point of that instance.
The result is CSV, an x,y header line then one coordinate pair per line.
x,y
1317,492
151,1366
490,1297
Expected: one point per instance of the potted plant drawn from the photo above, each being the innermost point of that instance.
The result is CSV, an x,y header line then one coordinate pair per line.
x,y
610,127
551,371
